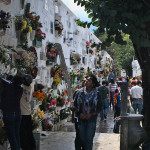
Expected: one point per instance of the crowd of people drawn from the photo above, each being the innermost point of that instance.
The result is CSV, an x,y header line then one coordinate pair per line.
x,y
93,100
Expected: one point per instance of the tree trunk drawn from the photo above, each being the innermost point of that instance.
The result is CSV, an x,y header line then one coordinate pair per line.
x,y
143,55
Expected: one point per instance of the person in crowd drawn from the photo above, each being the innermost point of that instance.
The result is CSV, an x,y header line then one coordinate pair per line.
x,y
136,95
112,87
26,135
117,103
78,144
111,76
132,85
104,94
133,80
88,104
10,105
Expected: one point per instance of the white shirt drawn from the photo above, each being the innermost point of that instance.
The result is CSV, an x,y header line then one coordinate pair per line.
x,y
25,102
136,92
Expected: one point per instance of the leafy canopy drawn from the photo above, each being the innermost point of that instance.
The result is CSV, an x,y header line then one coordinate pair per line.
x,y
116,16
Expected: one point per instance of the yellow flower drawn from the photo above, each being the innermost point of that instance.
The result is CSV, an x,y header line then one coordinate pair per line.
x,y
24,25
30,29
40,113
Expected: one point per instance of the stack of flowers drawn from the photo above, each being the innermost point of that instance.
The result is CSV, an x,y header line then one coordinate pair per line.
x,y
58,27
39,95
4,21
56,72
47,124
40,35
24,60
37,117
75,59
51,52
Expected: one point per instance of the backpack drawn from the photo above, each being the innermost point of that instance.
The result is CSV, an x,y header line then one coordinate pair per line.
x,y
103,91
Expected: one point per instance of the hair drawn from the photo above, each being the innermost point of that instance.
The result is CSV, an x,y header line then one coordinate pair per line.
x,y
27,79
104,82
116,90
17,80
133,83
94,80
139,82
112,81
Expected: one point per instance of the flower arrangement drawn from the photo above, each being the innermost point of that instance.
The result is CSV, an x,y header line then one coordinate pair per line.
x,y
58,27
37,117
4,20
56,71
40,95
47,124
75,58
25,60
51,52
40,35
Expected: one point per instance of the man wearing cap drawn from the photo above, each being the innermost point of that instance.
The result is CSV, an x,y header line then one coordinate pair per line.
x,y
26,135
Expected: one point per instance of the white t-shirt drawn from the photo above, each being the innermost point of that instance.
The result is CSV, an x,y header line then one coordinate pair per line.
x,y
25,100
136,92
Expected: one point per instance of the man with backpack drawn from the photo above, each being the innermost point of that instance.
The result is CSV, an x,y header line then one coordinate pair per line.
x,y
104,93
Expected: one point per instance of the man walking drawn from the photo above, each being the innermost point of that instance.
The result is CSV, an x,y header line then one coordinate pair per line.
x,y
104,93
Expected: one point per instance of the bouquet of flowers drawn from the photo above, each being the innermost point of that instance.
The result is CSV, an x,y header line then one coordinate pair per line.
x,y
51,52
39,95
4,20
25,60
59,27
4,54
37,117
75,58
47,124
40,35
60,101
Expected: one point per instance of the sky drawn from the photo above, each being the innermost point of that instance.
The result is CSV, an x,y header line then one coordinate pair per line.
x,y
78,11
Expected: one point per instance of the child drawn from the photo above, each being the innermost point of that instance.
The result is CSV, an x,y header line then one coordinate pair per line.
x,y
117,103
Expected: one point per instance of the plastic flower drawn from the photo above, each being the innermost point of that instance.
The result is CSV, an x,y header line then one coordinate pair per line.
x,y
30,29
24,24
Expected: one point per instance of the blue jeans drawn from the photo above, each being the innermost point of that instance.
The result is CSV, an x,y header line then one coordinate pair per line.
x,y
104,110
12,124
137,104
112,99
87,131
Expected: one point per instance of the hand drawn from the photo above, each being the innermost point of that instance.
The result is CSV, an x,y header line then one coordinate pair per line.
x,y
82,116
88,116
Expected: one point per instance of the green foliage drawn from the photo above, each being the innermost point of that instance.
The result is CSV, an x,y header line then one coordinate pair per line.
x,y
117,16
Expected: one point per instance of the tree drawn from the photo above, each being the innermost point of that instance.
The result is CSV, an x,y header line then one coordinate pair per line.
x,y
130,17
121,54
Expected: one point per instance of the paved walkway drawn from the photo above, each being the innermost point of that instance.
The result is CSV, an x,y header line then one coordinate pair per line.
x,y
65,141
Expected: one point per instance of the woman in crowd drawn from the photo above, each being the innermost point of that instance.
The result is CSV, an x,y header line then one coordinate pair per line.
x,y
88,104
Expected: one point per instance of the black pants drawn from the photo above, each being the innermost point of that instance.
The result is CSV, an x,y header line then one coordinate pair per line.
x,y
26,136
117,112
78,145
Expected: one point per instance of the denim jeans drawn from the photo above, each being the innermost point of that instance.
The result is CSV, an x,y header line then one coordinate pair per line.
x,y
137,104
112,99
104,110
12,124
87,131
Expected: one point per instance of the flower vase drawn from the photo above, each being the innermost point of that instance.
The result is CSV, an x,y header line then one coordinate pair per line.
x,y
2,32
32,35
